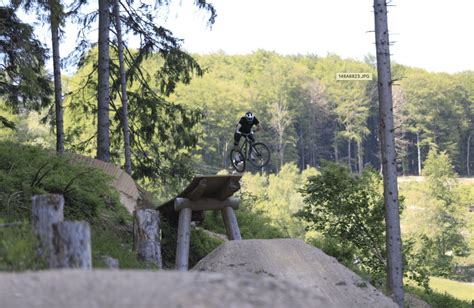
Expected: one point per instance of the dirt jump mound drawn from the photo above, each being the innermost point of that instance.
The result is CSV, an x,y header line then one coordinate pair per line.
x,y
298,263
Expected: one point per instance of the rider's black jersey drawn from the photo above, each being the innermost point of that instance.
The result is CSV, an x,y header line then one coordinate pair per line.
x,y
247,126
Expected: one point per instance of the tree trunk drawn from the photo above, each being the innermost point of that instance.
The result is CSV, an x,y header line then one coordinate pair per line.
x,y
349,155
58,95
46,210
392,214
360,161
336,153
468,159
282,150
123,82
146,231
418,151
71,245
103,121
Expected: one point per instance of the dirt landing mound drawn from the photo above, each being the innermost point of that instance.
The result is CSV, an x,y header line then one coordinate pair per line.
x,y
296,262
117,289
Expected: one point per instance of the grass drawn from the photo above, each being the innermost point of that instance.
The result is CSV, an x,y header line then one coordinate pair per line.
x,y
88,194
461,290
436,299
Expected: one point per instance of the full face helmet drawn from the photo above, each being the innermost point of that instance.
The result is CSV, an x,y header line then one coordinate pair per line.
x,y
249,116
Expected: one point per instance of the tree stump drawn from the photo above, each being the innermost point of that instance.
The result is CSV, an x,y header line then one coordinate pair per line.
x,y
146,231
46,210
71,245
110,262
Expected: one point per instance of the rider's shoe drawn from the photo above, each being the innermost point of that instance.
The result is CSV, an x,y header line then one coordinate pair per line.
x,y
237,158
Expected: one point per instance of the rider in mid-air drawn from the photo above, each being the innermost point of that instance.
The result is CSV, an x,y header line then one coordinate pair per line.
x,y
245,127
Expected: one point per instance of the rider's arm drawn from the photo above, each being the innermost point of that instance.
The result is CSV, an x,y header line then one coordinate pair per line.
x,y
237,128
258,127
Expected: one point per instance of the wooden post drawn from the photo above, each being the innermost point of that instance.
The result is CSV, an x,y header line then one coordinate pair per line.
x,y
71,245
184,236
146,231
46,210
231,225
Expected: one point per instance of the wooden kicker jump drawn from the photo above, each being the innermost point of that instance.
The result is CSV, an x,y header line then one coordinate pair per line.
x,y
206,192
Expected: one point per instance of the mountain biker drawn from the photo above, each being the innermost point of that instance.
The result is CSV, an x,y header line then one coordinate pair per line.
x,y
245,127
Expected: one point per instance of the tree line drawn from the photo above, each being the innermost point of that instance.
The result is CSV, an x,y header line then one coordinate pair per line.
x,y
156,115
309,116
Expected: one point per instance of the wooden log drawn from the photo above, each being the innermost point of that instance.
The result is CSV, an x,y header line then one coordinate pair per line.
x,y
205,204
146,235
71,245
231,225
197,192
184,237
46,210
229,189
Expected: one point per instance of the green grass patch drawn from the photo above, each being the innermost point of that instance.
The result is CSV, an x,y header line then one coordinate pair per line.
x,y
17,252
89,196
457,289
438,300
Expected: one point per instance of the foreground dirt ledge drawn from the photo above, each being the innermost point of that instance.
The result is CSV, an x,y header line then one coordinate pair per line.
x,y
113,288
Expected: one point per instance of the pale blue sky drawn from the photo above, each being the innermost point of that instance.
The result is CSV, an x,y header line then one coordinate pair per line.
x,y
436,35
433,34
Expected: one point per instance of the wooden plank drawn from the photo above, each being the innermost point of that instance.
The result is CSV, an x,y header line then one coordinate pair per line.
x,y
199,190
205,204
229,188
215,185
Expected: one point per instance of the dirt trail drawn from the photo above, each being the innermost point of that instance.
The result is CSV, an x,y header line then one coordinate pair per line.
x,y
296,262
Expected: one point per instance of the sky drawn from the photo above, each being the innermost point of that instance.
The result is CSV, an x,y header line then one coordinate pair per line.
x,y
437,35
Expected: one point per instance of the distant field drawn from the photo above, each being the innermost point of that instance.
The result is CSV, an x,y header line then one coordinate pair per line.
x,y
461,290
422,178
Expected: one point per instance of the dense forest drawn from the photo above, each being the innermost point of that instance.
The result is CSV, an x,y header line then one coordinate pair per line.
x,y
309,116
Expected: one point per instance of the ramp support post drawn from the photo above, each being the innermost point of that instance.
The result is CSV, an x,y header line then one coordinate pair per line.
x,y
231,225
184,236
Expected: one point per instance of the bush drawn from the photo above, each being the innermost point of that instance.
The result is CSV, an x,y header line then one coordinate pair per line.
x,y
252,223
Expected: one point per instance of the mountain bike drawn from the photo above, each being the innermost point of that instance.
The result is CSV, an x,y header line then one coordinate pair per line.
x,y
257,153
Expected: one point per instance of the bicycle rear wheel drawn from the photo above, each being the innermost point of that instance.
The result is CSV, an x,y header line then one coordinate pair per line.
x,y
237,160
260,155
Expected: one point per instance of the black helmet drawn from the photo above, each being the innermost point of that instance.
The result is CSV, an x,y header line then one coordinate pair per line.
x,y
249,116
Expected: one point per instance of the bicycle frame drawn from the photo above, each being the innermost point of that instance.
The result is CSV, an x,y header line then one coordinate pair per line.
x,y
246,147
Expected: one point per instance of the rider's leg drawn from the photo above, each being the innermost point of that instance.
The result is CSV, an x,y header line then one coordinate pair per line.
x,y
237,137
252,139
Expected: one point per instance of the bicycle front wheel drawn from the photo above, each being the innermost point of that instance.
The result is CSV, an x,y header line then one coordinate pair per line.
x,y
237,160
260,155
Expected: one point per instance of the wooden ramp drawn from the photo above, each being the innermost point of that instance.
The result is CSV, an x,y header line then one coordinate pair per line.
x,y
205,192
219,187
